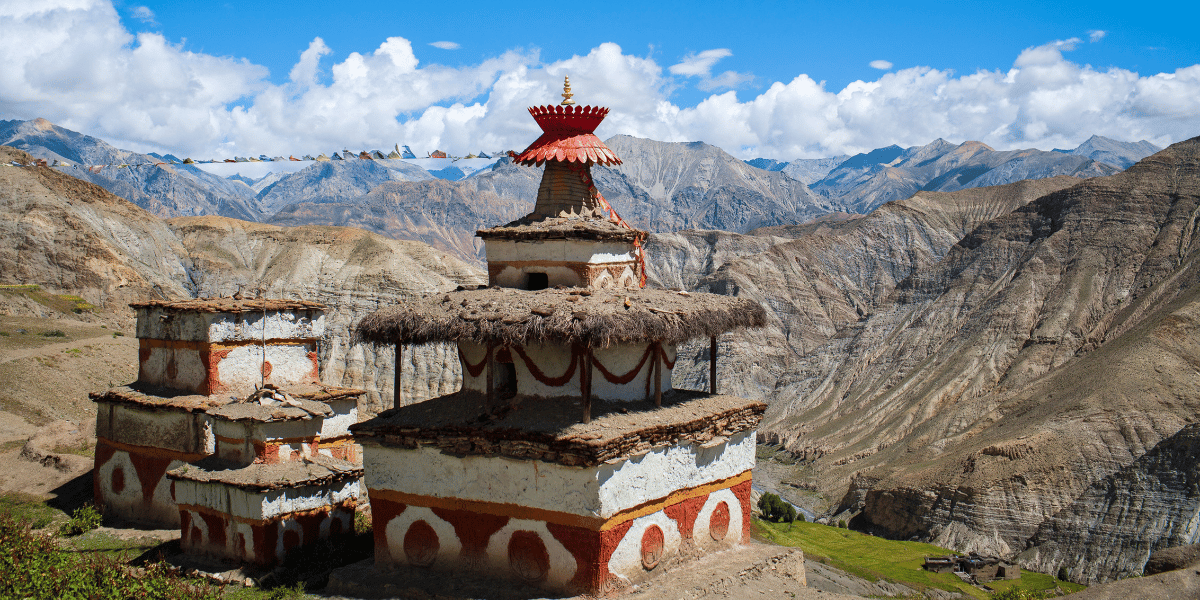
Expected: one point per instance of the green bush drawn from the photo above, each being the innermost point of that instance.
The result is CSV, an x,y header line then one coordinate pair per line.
x,y
773,508
54,333
34,566
841,524
84,519
1020,593
1062,573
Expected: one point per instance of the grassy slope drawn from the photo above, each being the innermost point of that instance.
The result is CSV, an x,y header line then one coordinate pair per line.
x,y
875,558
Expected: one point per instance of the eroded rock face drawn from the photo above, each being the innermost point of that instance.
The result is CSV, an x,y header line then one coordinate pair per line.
x,y
1050,348
1112,529
817,281
354,273
72,237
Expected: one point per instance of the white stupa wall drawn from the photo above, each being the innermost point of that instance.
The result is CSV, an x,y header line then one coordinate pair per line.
x,y
554,361
600,491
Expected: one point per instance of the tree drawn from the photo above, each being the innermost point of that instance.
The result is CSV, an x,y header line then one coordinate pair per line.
x,y
775,509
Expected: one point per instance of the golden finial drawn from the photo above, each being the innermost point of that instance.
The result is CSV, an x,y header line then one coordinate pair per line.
x,y
567,101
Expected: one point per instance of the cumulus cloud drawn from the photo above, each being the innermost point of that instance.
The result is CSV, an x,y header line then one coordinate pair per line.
x,y
445,45
73,62
1096,35
882,65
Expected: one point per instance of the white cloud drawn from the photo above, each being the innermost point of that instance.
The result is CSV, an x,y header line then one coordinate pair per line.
x,y
882,65
445,45
144,14
1096,35
700,65
73,62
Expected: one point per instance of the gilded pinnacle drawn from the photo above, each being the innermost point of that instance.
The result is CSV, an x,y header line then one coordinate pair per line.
x,y
567,101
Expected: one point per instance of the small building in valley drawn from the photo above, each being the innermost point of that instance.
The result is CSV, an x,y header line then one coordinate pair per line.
x,y
980,569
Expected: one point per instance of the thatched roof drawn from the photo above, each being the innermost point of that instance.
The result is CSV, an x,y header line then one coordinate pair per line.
x,y
228,305
539,227
595,317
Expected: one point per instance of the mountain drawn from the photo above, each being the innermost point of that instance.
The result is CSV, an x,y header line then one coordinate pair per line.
x,y
811,170
865,181
1109,531
71,237
451,173
817,281
767,164
163,189
334,181
1048,349
665,186
443,214
1118,154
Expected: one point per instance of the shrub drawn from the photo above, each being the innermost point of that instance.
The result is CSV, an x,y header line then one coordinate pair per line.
x,y
1062,573
34,566
842,523
84,519
1020,593
54,333
800,517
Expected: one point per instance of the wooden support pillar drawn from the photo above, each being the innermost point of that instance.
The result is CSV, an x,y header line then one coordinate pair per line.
x,y
712,365
491,379
585,382
658,367
396,376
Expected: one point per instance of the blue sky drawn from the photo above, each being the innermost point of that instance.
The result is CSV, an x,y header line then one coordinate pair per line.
x,y
779,79
833,42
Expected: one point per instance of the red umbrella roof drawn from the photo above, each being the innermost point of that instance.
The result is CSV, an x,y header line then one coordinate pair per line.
x,y
568,136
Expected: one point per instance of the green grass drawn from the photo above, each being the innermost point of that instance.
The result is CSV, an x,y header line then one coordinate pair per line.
x,y
874,558
64,303
30,510
1038,582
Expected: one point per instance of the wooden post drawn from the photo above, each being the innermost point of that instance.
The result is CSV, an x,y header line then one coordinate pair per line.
x,y
491,381
712,365
396,376
658,366
585,382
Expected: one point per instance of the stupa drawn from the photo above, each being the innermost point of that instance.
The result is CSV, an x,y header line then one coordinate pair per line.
x,y
567,460
228,432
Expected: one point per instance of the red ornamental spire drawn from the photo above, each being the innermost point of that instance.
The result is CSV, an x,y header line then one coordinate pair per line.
x,y
567,134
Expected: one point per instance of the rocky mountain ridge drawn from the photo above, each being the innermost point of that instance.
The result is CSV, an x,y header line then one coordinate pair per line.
x,y
866,181
163,189
989,390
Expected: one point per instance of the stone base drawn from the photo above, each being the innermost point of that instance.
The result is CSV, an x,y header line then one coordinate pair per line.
x,y
264,543
559,551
